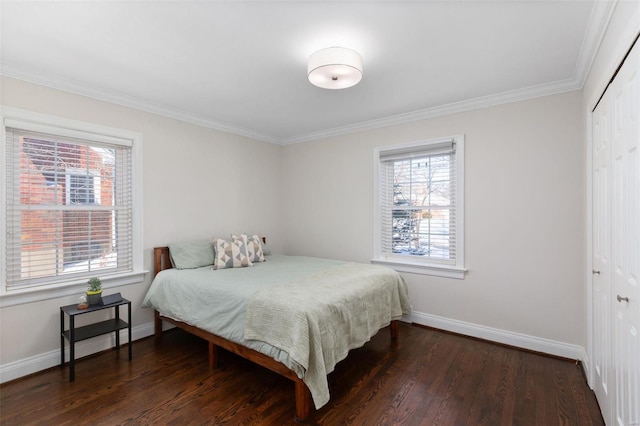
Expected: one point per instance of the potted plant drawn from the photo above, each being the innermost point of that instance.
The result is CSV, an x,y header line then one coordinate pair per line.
x,y
94,291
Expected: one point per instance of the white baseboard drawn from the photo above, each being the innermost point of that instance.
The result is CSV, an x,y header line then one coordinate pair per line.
x,y
24,367
511,338
586,366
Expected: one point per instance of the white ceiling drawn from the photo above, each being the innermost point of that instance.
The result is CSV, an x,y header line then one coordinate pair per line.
x,y
240,66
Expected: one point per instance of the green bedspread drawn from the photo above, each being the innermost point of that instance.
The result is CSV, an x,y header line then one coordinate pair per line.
x,y
232,303
319,318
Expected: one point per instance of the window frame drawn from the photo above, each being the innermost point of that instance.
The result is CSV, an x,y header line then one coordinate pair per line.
x,y
404,263
63,127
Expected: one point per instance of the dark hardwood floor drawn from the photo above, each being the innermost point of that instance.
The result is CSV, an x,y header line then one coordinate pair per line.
x,y
428,378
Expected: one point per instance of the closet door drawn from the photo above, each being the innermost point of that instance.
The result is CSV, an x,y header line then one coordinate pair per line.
x,y
602,256
625,168
616,246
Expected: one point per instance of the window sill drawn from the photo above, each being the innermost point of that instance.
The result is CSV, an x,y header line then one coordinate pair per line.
x,y
422,268
72,288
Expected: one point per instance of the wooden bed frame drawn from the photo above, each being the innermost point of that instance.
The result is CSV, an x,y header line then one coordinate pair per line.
x,y
161,261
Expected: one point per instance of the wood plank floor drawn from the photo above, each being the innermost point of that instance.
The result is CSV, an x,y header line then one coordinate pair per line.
x,y
428,378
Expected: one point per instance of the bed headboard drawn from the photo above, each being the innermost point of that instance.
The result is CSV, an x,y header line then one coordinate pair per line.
x,y
161,259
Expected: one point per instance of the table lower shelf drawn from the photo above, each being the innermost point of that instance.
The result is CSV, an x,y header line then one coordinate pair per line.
x,y
97,329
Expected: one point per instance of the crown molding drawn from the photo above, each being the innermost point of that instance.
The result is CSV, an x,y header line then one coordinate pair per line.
x,y
598,23
438,111
422,114
131,102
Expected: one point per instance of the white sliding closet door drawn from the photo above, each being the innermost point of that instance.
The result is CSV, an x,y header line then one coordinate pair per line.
x,y
616,246
626,241
602,256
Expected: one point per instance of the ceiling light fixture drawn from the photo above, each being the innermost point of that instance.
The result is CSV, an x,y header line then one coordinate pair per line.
x,y
335,68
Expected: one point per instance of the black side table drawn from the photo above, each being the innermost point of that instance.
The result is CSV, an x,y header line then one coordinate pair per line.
x,y
74,334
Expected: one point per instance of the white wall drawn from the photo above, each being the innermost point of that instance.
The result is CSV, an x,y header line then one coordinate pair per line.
x,y
198,183
524,210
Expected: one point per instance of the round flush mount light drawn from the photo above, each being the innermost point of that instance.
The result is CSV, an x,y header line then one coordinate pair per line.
x,y
335,68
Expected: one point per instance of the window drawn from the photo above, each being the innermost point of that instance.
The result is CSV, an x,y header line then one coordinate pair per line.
x,y
419,207
71,206
83,187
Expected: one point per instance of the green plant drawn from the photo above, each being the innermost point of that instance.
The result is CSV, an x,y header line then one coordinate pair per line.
x,y
94,285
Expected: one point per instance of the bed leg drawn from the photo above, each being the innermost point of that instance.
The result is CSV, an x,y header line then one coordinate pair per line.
x,y
393,327
213,355
157,326
303,401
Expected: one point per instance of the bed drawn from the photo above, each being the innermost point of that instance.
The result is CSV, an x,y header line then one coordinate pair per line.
x,y
297,316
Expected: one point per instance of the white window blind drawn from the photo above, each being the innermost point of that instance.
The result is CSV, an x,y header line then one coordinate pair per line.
x,y
68,207
418,203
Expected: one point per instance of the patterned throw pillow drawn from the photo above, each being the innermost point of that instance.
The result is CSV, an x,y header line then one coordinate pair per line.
x,y
254,247
231,254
